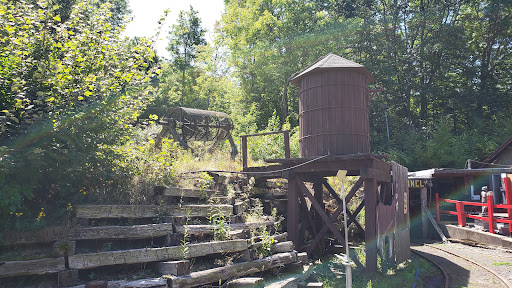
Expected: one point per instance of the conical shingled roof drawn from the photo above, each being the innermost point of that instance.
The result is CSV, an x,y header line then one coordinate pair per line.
x,y
331,61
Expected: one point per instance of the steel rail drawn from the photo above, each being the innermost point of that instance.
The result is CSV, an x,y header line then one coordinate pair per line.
x,y
505,281
428,258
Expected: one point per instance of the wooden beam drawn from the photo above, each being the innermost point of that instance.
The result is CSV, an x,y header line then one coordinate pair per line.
x,y
93,260
370,213
235,270
320,211
149,211
307,213
292,217
122,232
45,235
352,216
349,195
244,151
277,238
192,193
335,216
380,176
208,229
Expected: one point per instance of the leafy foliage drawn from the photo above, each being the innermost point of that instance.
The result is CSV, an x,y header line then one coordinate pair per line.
x,y
72,91
442,65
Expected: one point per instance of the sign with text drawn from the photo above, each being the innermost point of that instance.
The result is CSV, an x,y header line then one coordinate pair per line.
x,y
419,183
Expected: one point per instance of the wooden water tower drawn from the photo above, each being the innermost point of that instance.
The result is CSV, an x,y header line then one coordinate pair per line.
x,y
334,135
333,107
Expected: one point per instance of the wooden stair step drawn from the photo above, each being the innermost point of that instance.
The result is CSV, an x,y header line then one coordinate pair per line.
x,y
208,229
122,232
149,211
189,192
231,271
152,230
134,256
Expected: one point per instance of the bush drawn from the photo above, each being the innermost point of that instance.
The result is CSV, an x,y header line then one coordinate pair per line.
x,y
70,90
272,146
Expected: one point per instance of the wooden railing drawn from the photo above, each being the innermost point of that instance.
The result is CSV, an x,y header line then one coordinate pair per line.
x,y
462,215
286,134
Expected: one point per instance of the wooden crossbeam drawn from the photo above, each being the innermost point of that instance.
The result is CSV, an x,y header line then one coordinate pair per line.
x,y
350,194
321,212
338,211
322,231
353,190
308,215
352,216
334,216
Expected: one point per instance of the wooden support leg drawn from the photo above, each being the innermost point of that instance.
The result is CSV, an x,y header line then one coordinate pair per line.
x,y
370,203
318,189
292,217
424,217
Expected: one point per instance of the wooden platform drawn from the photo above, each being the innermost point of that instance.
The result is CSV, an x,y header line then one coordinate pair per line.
x,y
378,182
365,165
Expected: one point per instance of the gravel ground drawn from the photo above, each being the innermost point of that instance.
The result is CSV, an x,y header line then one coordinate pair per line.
x,y
461,272
497,260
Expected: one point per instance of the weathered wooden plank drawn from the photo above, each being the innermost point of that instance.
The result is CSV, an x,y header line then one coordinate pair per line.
x,y
87,261
250,282
187,192
370,217
282,247
293,209
122,232
370,173
277,238
146,283
208,229
149,211
260,191
32,267
46,235
401,248
235,270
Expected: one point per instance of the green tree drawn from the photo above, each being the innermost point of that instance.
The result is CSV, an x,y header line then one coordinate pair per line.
x,y
271,40
70,95
184,39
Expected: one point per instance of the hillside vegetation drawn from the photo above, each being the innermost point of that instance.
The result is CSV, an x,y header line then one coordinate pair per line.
x,y
79,102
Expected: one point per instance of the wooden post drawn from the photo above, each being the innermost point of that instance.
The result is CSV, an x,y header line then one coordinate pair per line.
x,y
424,217
437,208
461,216
490,209
318,189
244,151
292,217
508,195
370,217
286,135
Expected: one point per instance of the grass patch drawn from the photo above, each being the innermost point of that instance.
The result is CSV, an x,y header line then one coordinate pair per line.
x,y
331,273
502,264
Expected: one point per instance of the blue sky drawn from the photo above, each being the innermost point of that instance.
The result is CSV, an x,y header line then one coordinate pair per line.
x,y
146,13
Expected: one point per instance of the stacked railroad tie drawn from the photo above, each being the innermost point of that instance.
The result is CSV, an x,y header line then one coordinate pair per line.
x,y
188,237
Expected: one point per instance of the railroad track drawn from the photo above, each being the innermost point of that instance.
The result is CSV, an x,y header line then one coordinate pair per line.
x,y
458,270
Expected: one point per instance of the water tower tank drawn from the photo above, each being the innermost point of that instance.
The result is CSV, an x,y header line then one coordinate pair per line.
x,y
333,107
